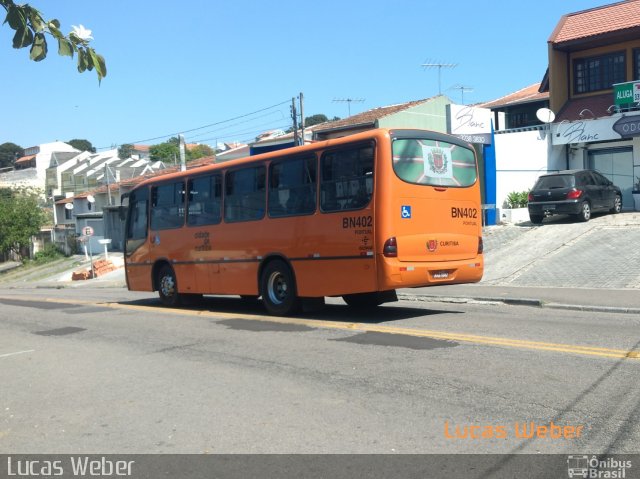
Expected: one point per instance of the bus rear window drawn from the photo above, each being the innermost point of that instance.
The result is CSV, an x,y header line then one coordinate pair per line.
x,y
433,163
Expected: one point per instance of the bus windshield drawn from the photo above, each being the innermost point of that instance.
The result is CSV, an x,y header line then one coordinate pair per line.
x,y
433,162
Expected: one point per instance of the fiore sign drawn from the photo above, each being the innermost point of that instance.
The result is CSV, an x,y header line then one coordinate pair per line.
x,y
626,93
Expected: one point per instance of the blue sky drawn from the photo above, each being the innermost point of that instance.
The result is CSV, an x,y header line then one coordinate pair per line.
x,y
178,66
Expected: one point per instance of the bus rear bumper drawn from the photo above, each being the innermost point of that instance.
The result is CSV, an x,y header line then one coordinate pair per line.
x,y
398,274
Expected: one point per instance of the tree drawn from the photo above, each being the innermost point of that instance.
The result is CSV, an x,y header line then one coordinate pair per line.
x,y
82,145
125,151
8,154
169,151
317,119
31,30
21,217
199,151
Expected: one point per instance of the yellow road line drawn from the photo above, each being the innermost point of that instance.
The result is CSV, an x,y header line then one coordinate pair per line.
x,y
319,323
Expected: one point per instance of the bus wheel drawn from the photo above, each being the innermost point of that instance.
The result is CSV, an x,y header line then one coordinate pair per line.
x,y
168,286
278,289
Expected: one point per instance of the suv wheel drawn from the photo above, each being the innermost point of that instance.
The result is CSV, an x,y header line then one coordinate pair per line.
x,y
585,212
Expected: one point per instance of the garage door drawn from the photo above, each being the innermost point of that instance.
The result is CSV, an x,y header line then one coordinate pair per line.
x,y
617,165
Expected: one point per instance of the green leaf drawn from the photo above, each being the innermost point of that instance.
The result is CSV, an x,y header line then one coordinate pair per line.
x,y
16,17
82,60
37,22
23,38
55,23
98,63
65,48
39,48
55,31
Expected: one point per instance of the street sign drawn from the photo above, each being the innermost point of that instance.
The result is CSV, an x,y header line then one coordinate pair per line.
x,y
87,231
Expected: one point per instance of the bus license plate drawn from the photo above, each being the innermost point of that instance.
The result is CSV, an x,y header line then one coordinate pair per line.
x,y
440,274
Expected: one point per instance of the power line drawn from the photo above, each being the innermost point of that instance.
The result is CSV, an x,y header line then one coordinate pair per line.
x,y
208,132
198,128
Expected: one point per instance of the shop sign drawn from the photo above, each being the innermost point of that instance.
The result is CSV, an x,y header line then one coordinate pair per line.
x,y
584,131
469,123
628,126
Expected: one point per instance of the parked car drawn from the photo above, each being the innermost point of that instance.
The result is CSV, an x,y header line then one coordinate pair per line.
x,y
573,192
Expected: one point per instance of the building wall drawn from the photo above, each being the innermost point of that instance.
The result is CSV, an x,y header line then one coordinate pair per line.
x,y
561,70
431,115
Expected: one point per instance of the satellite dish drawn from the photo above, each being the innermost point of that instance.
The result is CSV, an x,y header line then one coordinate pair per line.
x,y
91,199
69,206
545,115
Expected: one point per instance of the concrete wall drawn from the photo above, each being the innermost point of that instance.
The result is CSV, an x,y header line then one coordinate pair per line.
x,y
520,158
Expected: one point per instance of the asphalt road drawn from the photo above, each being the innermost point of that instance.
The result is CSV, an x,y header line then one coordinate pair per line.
x,y
110,371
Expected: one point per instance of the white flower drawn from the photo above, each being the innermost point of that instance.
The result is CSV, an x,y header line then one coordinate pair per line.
x,y
82,33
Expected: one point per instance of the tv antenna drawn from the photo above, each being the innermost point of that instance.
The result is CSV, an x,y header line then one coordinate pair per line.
x,y
462,89
348,101
439,66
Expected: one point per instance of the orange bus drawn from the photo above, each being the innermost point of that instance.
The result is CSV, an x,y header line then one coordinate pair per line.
x,y
356,217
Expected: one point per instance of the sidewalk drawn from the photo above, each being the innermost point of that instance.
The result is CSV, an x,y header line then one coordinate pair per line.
x,y
577,299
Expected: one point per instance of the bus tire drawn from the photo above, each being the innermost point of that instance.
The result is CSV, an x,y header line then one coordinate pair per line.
x,y
168,286
278,289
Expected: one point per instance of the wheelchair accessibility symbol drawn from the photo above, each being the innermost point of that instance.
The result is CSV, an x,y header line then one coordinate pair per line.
x,y
406,212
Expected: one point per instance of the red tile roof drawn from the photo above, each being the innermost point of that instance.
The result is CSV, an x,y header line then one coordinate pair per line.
x,y
590,107
610,18
25,159
367,117
524,95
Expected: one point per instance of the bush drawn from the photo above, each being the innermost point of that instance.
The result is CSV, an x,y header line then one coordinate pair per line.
x,y
49,253
517,199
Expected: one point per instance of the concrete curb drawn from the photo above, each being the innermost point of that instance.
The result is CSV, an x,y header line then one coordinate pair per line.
x,y
537,303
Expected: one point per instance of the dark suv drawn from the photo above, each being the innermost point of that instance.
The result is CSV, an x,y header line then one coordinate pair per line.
x,y
573,192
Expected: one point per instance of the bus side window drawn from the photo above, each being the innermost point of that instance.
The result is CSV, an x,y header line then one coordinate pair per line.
x,y
347,178
167,206
204,200
292,187
245,194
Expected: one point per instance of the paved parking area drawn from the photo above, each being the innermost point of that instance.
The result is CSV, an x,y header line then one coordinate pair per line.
x,y
603,253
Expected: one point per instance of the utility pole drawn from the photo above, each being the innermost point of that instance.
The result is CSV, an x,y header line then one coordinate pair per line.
x,y
183,162
439,66
294,117
348,101
302,118
106,173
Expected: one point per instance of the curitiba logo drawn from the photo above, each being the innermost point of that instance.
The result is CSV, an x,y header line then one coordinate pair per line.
x,y
438,162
